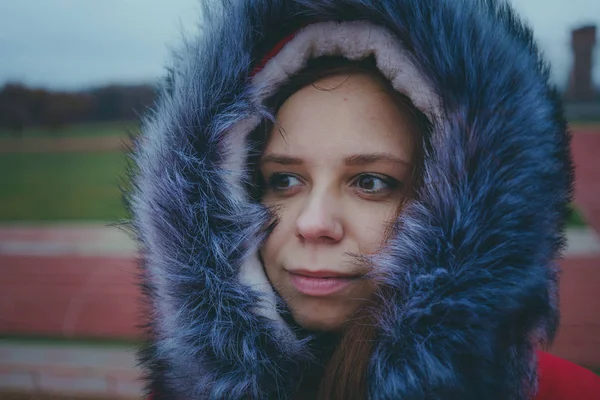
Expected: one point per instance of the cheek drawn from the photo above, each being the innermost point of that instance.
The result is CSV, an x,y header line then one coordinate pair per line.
x,y
372,225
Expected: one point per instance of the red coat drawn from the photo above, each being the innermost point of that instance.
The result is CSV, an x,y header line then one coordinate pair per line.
x,y
562,380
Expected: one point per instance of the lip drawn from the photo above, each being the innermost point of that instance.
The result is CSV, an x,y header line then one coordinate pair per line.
x,y
321,283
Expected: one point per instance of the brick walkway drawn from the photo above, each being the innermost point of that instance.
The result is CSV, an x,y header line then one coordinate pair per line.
x,y
586,153
69,369
578,338
107,311
68,280
69,296
94,293
72,239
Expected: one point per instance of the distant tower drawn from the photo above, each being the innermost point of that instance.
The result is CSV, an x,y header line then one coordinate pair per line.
x,y
581,87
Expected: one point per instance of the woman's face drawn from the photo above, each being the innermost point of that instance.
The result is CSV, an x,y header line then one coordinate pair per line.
x,y
335,176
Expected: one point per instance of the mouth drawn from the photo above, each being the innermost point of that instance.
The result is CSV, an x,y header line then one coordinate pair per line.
x,y
321,283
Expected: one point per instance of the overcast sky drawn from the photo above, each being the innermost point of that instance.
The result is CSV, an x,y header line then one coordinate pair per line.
x,y
72,44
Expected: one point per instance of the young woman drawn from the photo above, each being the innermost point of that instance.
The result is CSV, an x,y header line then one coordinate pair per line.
x,y
369,204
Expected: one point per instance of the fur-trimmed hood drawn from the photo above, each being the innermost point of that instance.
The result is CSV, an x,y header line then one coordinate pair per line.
x,y
473,269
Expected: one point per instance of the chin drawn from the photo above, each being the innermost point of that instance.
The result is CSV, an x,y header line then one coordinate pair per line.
x,y
318,325
321,320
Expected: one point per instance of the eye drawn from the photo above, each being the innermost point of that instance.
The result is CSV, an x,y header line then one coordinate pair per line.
x,y
375,184
282,182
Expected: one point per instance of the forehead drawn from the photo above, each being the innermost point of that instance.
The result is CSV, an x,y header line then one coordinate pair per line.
x,y
341,115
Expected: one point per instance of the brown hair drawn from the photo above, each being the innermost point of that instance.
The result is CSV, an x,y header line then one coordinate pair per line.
x,y
345,373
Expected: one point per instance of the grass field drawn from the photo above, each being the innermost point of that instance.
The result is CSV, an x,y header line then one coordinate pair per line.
x,y
71,186
118,128
576,219
14,395
61,186
58,342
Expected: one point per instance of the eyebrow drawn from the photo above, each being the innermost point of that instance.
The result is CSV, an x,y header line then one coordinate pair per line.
x,y
353,160
280,159
366,159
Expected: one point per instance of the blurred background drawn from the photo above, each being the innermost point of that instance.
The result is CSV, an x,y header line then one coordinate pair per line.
x,y
74,77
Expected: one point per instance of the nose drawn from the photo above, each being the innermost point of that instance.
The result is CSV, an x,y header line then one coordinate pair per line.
x,y
319,221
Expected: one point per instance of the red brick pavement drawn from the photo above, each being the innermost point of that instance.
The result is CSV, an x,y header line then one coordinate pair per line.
x,y
70,369
69,296
579,334
586,153
98,297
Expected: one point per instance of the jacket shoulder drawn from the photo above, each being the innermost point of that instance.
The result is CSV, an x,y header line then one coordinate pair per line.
x,y
563,380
